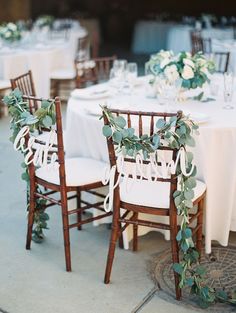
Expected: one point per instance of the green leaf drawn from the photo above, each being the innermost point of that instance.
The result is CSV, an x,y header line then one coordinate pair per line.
x,y
160,123
189,282
222,295
47,121
178,268
179,235
178,200
189,194
131,131
176,193
120,121
45,104
190,141
188,233
189,204
200,270
117,137
107,131
25,176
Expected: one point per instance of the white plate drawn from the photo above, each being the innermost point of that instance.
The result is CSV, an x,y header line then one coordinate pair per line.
x,y
199,118
92,93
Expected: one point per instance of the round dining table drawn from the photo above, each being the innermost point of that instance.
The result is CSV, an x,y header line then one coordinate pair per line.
x,y
214,154
41,55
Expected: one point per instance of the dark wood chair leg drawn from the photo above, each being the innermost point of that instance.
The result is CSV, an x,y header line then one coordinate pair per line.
x,y
30,215
114,237
79,214
135,234
66,233
199,225
175,251
121,241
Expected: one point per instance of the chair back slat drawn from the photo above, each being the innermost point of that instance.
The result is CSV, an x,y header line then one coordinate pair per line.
x,y
221,60
93,71
25,84
199,43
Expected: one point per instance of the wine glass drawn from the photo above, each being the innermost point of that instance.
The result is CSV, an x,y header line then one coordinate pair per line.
x,y
228,90
131,75
119,68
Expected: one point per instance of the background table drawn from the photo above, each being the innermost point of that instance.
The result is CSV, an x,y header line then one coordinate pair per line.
x,y
41,58
214,154
152,36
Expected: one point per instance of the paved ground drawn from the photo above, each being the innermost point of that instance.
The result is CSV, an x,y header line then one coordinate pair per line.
x,y
36,281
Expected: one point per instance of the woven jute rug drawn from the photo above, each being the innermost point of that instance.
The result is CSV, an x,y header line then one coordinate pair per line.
x,y
220,274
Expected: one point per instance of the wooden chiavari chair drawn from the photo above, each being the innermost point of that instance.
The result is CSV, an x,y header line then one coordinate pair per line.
x,y
71,174
221,60
25,83
4,86
149,197
93,71
199,43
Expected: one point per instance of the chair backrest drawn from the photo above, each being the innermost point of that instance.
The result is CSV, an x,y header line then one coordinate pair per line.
x,y
83,49
55,143
93,71
200,43
25,84
141,121
221,60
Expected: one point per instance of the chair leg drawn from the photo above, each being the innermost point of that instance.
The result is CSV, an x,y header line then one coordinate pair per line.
x,y
121,241
199,225
175,251
30,216
79,214
66,233
114,237
135,234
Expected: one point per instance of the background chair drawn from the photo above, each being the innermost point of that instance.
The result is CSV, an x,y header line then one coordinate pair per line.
x,y
221,60
68,75
93,71
150,197
74,174
200,43
4,86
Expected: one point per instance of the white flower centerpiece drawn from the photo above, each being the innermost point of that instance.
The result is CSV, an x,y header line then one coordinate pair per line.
x,y
10,33
44,21
182,71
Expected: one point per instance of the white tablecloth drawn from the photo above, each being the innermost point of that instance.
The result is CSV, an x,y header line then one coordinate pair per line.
x,y
214,154
41,58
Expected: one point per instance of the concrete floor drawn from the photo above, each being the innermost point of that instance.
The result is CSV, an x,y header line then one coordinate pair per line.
x,y
36,281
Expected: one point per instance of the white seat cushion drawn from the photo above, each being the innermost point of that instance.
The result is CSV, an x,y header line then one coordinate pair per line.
x,y
152,194
79,171
63,74
5,84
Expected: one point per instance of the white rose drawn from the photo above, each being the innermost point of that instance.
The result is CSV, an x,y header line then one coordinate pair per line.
x,y
188,54
189,62
187,72
171,73
164,63
12,26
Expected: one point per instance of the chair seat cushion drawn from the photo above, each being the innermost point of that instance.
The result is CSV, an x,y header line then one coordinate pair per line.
x,y
79,171
5,84
63,74
151,194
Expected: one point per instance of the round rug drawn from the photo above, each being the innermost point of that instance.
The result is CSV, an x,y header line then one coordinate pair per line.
x,y
220,274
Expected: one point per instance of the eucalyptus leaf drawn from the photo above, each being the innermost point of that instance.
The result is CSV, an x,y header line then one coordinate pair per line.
x,y
107,131
120,121
47,121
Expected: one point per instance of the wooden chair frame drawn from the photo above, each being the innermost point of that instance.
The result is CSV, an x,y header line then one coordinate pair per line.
x,y
118,220
92,75
199,43
62,189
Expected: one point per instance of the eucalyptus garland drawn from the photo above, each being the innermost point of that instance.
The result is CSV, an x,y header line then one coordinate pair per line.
x,y
43,117
178,133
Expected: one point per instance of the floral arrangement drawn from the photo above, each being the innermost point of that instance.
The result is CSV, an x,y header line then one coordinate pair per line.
x,y
191,273
44,20
191,70
10,32
44,117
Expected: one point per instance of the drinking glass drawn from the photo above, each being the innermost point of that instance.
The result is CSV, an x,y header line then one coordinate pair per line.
x,y
119,68
131,75
228,90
